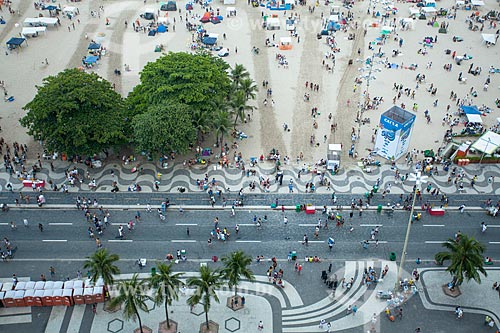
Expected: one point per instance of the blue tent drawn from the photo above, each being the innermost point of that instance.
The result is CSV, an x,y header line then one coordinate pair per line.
x,y
91,59
15,42
470,110
162,28
94,46
50,7
209,40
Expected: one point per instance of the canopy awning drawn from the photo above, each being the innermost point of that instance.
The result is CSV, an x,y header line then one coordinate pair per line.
x,y
488,143
474,118
94,46
230,9
91,59
285,40
16,41
414,11
477,3
69,9
471,110
209,40
31,21
163,20
31,31
386,30
489,38
50,7
429,9
48,20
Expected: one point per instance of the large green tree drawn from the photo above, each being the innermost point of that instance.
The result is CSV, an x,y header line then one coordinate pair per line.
x,y
205,289
132,294
164,128
236,268
239,106
466,259
167,285
76,113
191,79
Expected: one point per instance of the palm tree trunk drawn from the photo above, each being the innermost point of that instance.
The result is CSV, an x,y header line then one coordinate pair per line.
x,y
166,313
235,291
139,319
206,319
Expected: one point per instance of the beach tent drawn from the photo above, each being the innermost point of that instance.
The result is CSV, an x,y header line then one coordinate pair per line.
x,y
32,31
231,11
15,42
333,18
91,59
471,110
488,143
229,2
31,22
386,30
430,3
489,38
477,3
409,21
189,6
429,10
48,21
474,118
273,23
285,43
70,10
94,46
205,18
209,40
414,11
161,28
50,7
290,25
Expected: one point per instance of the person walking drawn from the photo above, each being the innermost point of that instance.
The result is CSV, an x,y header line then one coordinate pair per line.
x,y
40,227
26,223
52,271
260,327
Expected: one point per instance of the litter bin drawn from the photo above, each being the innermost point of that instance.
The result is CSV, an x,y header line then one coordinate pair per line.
x,y
375,189
297,208
379,208
273,206
294,255
392,256
153,271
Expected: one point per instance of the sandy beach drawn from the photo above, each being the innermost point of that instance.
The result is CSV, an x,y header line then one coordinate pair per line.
x,y
65,46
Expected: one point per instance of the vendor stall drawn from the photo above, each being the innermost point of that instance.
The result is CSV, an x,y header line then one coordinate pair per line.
x,y
285,43
38,183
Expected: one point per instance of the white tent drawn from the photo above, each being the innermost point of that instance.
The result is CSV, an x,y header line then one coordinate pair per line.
x,y
70,10
285,40
46,21
333,18
414,11
409,21
429,10
213,35
489,38
474,118
273,23
477,3
32,31
231,11
488,143
31,22
229,2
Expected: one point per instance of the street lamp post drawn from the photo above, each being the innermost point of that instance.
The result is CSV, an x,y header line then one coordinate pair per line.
x,y
485,149
418,180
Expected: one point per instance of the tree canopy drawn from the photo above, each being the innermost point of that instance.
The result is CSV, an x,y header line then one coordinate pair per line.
x,y
164,128
76,113
466,259
191,79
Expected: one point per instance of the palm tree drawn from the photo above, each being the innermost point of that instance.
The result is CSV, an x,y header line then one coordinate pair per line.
x,y
166,284
133,296
236,268
249,87
201,123
101,264
205,286
466,259
238,104
238,74
221,125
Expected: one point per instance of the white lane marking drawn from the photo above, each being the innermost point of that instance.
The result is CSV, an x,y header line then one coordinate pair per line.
x,y
307,225
371,225
246,224
120,240
55,240
183,241
380,242
493,226
434,242
4,224
186,224
312,241
494,242
433,225
248,241
63,223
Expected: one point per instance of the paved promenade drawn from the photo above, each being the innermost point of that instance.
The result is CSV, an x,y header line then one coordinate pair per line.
x,y
350,180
